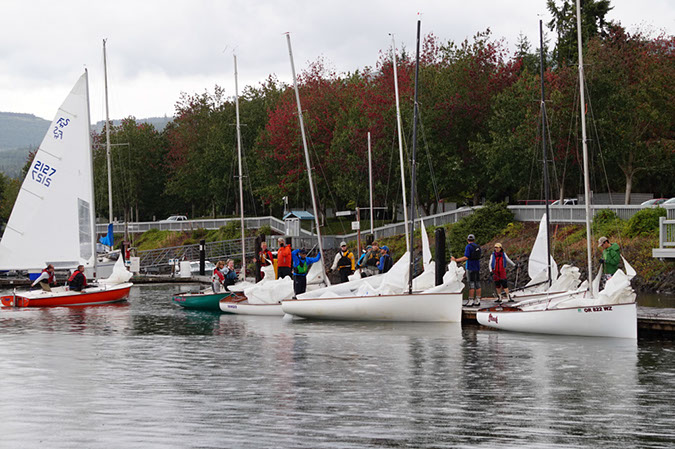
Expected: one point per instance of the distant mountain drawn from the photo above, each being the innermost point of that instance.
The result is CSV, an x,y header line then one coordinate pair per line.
x,y
158,122
22,133
21,130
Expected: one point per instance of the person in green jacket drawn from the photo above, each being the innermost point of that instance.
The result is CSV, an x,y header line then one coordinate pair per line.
x,y
611,256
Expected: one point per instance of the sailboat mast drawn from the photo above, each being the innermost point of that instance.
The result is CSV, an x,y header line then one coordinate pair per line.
x,y
413,165
545,152
400,143
241,182
370,184
587,184
107,136
307,161
92,209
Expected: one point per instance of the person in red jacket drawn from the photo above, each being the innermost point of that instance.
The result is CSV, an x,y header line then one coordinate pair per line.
x,y
78,281
46,279
265,258
284,259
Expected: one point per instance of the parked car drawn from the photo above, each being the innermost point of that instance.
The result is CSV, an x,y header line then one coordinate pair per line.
x,y
566,202
175,218
654,202
670,202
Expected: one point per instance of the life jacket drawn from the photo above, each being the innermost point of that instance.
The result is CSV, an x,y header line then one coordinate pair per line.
x,y
50,280
302,268
74,275
345,261
218,275
499,265
265,258
386,263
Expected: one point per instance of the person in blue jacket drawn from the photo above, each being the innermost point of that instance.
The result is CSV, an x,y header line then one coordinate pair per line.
x,y
301,264
386,261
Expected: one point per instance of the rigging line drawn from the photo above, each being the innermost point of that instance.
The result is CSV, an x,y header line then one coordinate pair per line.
x,y
310,144
426,147
392,153
550,148
597,141
244,160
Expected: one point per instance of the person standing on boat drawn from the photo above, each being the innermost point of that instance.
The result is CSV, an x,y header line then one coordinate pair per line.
x,y
265,257
46,279
611,256
472,253
344,262
78,281
284,260
498,262
301,264
386,262
230,273
218,277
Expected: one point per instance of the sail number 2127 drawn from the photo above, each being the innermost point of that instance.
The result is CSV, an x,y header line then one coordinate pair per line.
x,y
42,173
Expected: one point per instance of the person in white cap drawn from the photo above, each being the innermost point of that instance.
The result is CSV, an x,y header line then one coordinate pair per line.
x,y
344,262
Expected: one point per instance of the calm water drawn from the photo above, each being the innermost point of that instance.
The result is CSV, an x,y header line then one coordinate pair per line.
x,y
147,374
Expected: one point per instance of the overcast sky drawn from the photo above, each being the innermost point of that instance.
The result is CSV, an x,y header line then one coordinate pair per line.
x,y
158,49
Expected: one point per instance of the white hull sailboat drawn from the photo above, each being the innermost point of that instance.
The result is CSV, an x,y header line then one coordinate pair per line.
x,y
612,320
53,221
418,307
384,298
611,312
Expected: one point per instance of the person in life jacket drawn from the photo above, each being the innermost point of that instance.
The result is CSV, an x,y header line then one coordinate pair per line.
x,y
78,281
301,265
46,279
265,257
344,262
498,262
386,262
284,259
218,277
230,273
370,259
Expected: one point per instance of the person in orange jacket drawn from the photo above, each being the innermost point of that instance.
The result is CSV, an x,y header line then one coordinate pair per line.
x,y
284,259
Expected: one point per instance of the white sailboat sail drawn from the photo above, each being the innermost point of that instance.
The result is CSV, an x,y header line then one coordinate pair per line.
x,y
537,267
52,219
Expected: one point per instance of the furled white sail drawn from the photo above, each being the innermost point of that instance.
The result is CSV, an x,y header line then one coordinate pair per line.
x,y
537,263
52,219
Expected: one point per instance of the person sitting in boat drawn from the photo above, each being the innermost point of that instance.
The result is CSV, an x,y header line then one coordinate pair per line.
x,y
218,277
46,279
230,273
284,259
386,261
370,260
611,256
301,264
497,265
344,262
265,257
77,281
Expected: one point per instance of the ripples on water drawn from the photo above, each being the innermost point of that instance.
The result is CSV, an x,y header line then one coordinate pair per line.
x,y
147,374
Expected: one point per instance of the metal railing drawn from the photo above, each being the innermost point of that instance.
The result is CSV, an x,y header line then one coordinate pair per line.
x,y
189,225
224,249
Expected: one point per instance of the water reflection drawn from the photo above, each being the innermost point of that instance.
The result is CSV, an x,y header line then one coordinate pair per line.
x,y
150,374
